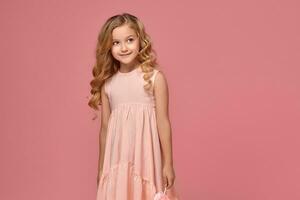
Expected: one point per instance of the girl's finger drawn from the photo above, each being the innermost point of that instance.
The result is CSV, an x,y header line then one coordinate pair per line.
x,y
165,182
170,183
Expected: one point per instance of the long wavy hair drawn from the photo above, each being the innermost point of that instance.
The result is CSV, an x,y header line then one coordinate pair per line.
x,y
106,65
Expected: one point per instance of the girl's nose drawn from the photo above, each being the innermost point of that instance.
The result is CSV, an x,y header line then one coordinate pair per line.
x,y
124,47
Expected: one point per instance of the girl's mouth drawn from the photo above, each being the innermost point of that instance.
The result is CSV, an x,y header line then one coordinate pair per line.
x,y
125,54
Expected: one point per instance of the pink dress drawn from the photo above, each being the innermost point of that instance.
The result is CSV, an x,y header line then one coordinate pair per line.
x,y
132,167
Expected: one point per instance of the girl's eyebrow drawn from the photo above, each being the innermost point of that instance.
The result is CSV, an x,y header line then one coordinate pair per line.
x,y
126,37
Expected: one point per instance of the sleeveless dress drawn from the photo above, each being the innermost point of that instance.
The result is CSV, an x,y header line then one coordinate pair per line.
x,y
132,166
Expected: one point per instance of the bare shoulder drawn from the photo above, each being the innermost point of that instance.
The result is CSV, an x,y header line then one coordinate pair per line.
x,y
161,96
160,80
160,85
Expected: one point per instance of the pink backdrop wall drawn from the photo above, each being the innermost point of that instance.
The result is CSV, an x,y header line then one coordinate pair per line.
x,y
233,73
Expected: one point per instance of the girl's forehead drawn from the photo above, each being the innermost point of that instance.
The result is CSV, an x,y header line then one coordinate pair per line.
x,y
122,32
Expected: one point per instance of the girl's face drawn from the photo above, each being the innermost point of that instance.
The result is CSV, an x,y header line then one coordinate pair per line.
x,y
125,45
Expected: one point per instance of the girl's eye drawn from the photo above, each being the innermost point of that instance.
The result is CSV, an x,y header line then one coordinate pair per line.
x,y
131,39
116,42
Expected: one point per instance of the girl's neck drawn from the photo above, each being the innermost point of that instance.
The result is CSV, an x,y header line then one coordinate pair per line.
x,y
127,68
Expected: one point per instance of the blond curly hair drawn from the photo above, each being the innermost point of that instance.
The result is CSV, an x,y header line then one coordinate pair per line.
x,y
106,66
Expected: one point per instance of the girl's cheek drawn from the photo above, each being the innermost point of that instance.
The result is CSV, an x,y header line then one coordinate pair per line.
x,y
114,50
134,46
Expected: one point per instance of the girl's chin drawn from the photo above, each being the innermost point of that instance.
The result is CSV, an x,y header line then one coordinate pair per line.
x,y
127,61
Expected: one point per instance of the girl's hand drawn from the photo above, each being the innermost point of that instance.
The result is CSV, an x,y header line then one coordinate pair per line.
x,y
168,176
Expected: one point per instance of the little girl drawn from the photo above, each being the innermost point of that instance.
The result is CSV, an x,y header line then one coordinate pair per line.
x,y
135,160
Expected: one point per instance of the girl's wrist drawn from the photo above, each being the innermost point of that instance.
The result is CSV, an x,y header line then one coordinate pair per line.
x,y
168,164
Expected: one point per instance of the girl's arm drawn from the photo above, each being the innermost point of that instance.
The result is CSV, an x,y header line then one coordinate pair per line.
x,y
164,126
105,113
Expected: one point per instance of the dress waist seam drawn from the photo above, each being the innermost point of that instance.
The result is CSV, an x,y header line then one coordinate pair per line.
x,y
133,104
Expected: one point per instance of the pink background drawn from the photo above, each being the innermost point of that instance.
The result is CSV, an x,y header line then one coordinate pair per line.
x,y
233,74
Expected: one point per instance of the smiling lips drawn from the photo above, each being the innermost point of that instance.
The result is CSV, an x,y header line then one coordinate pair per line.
x,y
125,54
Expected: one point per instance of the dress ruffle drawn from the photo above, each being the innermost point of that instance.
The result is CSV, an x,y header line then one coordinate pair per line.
x,y
122,182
